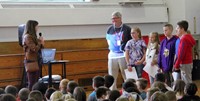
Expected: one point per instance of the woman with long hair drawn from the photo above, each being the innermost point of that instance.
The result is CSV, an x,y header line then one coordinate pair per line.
x,y
32,46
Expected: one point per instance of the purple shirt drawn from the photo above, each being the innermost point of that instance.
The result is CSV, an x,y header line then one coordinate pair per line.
x,y
135,50
167,53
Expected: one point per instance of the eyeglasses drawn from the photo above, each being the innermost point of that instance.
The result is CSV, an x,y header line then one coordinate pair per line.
x,y
114,18
133,32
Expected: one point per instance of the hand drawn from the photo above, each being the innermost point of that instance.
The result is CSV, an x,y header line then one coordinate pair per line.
x,y
176,69
153,62
138,62
129,68
41,40
144,63
173,69
159,70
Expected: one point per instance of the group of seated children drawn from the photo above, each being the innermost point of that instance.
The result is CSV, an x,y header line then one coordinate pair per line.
x,y
138,90
132,90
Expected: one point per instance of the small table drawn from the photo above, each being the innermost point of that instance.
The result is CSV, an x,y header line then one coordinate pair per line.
x,y
50,63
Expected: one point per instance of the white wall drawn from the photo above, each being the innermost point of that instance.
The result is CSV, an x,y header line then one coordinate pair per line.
x,y
63,28
192,10
74,32
83,15
176,10
184,10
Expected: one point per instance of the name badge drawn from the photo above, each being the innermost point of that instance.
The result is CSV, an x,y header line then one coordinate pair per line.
x,y
118,42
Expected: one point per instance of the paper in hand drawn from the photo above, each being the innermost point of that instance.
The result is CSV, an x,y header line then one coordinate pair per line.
x,y
131,74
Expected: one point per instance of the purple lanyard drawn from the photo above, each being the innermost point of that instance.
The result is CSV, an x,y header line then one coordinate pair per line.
x,y
119,33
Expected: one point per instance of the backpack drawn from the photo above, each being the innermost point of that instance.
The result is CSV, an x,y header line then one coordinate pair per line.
x,y
20,34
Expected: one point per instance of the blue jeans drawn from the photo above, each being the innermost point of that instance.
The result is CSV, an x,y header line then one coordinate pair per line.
x,y
139,69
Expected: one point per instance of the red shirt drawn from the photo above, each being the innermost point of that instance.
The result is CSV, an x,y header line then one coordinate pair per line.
x,y
185,50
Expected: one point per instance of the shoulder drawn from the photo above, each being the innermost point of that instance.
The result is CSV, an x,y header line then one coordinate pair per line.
x,y
110,29
92,96
126,26
111,26
141,40
174,38
130,41
187,36
163,41
93,93
27,37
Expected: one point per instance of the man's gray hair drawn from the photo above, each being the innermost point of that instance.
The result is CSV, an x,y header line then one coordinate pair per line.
x,y
117,14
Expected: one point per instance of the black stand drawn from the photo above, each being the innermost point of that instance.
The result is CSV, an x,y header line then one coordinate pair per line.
x,y
196,70
63,62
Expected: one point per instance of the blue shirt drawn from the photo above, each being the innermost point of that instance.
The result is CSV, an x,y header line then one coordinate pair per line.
x,y
113,38
92,96
177,44
143,95
121,34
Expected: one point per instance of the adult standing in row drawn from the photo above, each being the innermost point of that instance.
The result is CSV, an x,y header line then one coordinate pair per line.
x,y
117,36
32,45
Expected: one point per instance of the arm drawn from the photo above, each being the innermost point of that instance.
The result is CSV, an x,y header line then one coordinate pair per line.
x,y
155,57
160,55
173,55
127,57
41,41
154,61
29,42
181,52
127,60
143,45
143,58
126,37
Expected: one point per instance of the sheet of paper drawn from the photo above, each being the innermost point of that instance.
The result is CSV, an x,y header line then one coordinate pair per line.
x,y
132,74
151,70
176,75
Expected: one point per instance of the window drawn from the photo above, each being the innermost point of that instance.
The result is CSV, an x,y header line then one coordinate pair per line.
x,y
43,0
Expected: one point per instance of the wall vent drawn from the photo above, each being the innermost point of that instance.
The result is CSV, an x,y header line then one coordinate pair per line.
x,y
131,2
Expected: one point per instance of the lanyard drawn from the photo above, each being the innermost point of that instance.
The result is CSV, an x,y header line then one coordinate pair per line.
x,y
119,33
119,27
